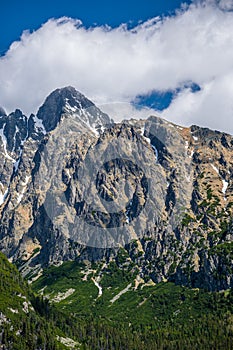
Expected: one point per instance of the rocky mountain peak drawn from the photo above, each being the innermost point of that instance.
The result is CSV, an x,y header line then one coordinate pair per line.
x,y
69,101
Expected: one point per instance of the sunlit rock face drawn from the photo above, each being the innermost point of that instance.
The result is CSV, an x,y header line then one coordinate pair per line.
x,y
75,185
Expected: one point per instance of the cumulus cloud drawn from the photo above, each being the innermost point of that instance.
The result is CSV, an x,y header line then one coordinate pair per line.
x,y
109,65
226,5
124,110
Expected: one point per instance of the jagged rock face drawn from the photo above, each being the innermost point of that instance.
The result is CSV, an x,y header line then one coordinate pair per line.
x,y
76,185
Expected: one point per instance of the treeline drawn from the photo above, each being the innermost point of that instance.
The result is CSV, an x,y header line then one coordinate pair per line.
x,y
32,333
39,330
212,331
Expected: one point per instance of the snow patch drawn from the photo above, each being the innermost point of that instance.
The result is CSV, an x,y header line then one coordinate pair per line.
x,y
98,286
149,141
87,121
68,173
224,182
84,116
195,138
16,163
3,196
20,196
142,131
191,154
4,142
215,169
39,125
156,152
68,108
224,187
16,131
127,219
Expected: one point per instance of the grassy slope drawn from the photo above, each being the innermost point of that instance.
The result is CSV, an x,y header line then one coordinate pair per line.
x,y
164,314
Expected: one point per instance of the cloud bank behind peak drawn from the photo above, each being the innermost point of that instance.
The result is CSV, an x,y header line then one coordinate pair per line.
x,y
118,64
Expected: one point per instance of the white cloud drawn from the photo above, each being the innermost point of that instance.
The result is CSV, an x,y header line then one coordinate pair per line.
x,y
210,107
109,65
125,110
226,4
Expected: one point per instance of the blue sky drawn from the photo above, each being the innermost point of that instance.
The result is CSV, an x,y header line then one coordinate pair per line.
x,y
177,63
17,16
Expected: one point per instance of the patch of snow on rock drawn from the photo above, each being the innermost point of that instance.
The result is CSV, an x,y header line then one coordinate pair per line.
x,y
20,196
98,286
3,196
215,169
39,125
224,187
4,142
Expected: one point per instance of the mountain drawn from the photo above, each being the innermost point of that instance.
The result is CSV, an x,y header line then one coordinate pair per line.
x,y
76,186
122,232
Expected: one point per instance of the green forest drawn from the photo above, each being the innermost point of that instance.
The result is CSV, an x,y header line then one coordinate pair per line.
x,y
162,316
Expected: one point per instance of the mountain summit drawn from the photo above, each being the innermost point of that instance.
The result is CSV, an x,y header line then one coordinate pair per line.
x,y
68,100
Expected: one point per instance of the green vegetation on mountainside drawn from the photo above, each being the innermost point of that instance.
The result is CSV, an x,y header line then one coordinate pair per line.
x,y
138,315
129,314
21,327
